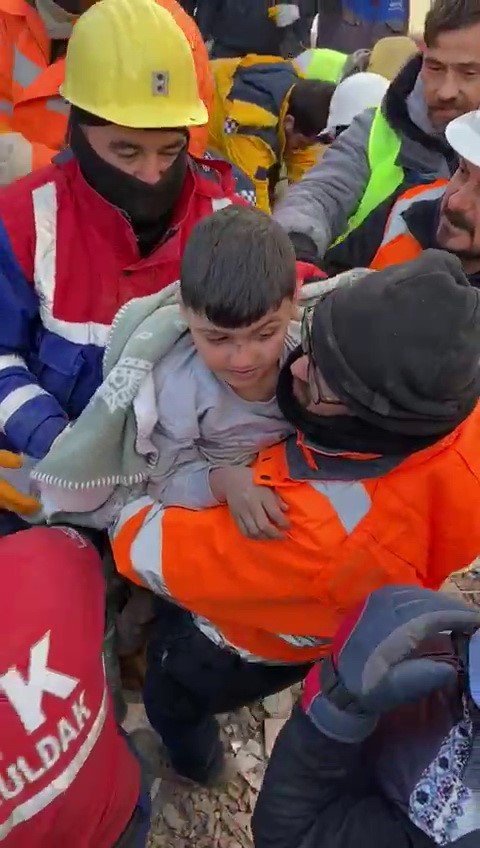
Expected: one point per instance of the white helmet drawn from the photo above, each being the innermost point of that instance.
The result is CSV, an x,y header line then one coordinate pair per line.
x,y
352,96
463,134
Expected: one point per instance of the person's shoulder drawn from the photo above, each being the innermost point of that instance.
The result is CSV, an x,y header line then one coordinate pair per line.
x,y
177,369
17,8
222,181
17,213
17,198
50,577
183,382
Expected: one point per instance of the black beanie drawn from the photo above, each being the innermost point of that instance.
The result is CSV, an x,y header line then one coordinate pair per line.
x,y
80,116
401,347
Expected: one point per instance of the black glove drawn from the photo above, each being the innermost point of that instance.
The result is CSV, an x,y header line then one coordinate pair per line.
x,y
372,669
305,248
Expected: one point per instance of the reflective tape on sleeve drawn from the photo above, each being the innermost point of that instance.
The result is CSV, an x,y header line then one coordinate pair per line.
x,y
350,500
16,399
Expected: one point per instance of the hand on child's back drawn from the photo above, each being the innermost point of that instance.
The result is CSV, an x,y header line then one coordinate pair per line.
x,y
258,512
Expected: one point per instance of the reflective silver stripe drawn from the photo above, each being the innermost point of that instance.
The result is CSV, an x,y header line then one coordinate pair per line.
x,y
146,552
58,104
24,70
128,512
212,632
6,107
16,399
45,214
216,636
11,361
302,62
305,641
350,500
396,225
26,811
220,203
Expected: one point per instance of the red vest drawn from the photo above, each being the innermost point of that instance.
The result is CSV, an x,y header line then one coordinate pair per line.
x,y
67,777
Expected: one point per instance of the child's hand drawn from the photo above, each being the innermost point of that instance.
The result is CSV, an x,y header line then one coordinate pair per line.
x,y
258,511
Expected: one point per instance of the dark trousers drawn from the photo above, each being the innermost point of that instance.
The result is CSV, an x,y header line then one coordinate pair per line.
x,y
189,680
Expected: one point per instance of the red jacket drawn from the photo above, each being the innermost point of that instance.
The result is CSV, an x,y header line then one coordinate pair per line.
x,y
68,261
67,778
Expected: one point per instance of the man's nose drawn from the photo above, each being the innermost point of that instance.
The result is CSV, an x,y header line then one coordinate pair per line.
x,y
150,170
449,88
241,356
460,200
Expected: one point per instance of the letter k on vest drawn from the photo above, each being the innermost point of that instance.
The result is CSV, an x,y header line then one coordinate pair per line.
x,y
26,696
66,776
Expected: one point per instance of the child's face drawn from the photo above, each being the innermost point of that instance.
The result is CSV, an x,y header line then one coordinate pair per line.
x,y
242,357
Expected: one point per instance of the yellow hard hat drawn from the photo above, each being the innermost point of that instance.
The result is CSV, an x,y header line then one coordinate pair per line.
x,y
130,63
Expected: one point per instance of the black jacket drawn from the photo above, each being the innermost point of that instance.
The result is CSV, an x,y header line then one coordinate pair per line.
x,y
319,793
239,27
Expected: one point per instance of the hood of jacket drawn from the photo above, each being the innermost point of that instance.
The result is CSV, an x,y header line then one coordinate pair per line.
x,y
424,150
264,84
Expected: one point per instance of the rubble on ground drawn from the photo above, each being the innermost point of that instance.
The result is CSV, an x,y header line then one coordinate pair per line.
x,y
187,815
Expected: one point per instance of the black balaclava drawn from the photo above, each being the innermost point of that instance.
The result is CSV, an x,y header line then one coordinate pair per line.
x,y
341,432
148,207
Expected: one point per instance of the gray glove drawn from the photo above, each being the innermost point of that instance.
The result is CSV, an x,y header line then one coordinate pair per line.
x,y
373,670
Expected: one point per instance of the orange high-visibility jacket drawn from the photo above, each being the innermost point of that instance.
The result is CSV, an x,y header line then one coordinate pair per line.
x,y
399,245
355,525
29,99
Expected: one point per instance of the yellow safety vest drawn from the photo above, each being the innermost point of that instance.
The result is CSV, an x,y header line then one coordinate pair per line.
x,y
385,175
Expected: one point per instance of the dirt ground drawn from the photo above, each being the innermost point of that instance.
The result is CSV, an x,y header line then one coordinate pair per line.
x,y
185,815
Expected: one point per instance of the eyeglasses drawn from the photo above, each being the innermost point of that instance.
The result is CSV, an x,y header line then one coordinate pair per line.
x,y
317,392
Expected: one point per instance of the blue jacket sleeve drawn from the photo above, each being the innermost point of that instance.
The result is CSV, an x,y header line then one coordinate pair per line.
x,y
30,418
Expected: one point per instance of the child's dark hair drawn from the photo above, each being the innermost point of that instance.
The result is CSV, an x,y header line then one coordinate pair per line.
x,y
237,265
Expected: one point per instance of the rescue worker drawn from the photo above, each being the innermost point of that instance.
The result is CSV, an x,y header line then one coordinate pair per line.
x,y
343,203
33,116
265,27
374,486
266,116
382,751
106,222
350,98
443,215
67,776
